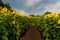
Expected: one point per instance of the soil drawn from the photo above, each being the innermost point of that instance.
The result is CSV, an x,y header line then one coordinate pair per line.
x,y
32,34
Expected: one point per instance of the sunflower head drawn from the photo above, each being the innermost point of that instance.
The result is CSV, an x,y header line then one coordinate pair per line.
x,y
50,15
14,11
55,14
58,21
5,9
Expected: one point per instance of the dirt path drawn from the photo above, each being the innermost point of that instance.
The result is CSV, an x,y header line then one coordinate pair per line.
x,y
32,34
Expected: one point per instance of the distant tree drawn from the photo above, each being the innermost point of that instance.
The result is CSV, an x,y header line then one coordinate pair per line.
x,y
48,12
1,3
7,5
32,15
38,15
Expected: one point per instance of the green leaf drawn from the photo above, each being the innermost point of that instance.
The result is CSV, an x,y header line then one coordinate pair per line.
x,y
57,27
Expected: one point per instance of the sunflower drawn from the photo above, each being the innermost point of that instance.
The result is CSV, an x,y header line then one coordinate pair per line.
x,y
14,11
18,14
50,15
55,14
5,9
24,14
58,21
45,16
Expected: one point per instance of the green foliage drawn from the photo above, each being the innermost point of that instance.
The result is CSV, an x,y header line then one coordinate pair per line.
x,y
12,26
1,3
49,28
5,5
46,13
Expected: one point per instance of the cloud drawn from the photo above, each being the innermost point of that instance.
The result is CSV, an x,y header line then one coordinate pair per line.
x,y
35,6
53,7
22,11
32,2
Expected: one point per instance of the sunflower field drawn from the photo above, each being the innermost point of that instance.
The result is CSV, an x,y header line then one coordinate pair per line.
x,y
13,24
49,26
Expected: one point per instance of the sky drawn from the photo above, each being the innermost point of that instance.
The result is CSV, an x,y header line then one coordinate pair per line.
x,y
36,7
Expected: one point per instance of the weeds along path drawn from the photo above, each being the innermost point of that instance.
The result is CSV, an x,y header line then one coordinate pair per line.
x,y
32,34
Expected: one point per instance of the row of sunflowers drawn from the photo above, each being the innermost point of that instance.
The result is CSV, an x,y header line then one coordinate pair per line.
x,y
13,24
49,26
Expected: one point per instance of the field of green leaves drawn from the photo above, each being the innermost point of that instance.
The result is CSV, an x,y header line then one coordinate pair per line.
x,y
49,26
13,24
